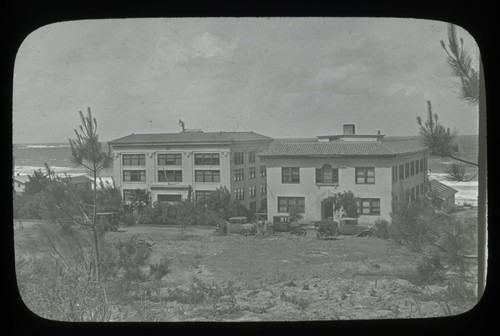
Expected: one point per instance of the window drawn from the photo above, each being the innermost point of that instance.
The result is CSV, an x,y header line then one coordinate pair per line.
x,y
169,198
251,157
394,174
252,190
421,165
290,175
169,175
262,171
365,175
263,189
327,175
425,164
417,167
417,191
401,172
407,170
412,193
134,175
286,203
239,174
407,195
207,176
169,159
238,158
207,159
129,195
239,194
369,206
263,205
134,159
421,188
202,195
251,173
412,168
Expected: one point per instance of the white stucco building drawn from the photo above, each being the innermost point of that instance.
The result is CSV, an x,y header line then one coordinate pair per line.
x,y
375,169
175,166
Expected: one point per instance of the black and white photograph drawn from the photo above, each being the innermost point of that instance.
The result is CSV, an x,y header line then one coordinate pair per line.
x,y
248,169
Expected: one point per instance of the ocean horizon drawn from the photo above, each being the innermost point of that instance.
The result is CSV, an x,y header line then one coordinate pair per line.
x,y
29,157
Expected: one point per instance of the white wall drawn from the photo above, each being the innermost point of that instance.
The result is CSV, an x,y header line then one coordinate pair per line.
x,y
314,194
188,168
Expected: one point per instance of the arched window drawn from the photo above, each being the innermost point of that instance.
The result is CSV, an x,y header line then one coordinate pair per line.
x,y
327,174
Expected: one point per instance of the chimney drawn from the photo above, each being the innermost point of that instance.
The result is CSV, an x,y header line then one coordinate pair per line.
x,y
349,129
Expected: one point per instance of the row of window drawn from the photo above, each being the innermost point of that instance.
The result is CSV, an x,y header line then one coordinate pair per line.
x,y
408,169
239,174
366,206
173,159
200,159
329,175
413,193
239,157
172,176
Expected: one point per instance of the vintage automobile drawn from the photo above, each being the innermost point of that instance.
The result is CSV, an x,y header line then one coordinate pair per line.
x,y
107,221
349,227
346,226
241,225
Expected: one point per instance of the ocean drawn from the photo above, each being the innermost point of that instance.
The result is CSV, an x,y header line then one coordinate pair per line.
x,y
31,157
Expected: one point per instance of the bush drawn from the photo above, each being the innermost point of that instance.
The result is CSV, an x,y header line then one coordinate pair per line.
x,y
183,213
59,283
133,253
381,228
456,172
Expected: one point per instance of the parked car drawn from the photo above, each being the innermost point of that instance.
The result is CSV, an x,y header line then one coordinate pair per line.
x,y
241,225
107,221
294,228
346,226
350,227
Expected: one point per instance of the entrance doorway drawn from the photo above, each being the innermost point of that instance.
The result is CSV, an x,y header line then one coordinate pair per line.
x,y
326,210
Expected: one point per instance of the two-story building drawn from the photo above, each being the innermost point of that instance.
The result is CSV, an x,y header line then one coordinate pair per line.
x,y
377,170
191,165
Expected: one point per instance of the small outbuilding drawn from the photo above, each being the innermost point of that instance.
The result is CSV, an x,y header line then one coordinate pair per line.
x,y
442,195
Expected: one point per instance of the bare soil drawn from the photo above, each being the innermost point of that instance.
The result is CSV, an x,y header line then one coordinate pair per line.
x,y
279,278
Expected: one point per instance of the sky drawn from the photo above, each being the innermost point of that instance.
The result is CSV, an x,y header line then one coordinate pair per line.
x,y
280,77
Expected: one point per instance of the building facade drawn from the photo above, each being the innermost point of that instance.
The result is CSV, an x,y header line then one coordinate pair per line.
x,y
377,170
191,165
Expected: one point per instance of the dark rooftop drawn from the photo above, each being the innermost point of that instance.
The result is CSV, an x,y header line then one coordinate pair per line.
x,y
441,189
190,137
390,147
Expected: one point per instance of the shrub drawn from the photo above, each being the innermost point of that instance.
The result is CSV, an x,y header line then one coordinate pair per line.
x,y
381,228
58,284
456,172
132,255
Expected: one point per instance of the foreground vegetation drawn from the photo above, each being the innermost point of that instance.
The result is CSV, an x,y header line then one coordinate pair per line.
x,y
197,276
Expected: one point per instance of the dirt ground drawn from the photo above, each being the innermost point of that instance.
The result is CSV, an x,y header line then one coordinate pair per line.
x,y
279,278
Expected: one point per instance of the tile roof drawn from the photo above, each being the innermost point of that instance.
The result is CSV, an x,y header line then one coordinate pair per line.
x,y
441,189
343,148
190,137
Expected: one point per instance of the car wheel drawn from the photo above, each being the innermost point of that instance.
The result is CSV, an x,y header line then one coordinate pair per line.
x,y
367,234
244,232
303,232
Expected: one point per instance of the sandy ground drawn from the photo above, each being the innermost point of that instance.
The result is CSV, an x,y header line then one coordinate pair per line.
x,y
279,278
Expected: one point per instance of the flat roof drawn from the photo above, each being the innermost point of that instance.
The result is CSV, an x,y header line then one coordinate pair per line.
x,y
190,137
